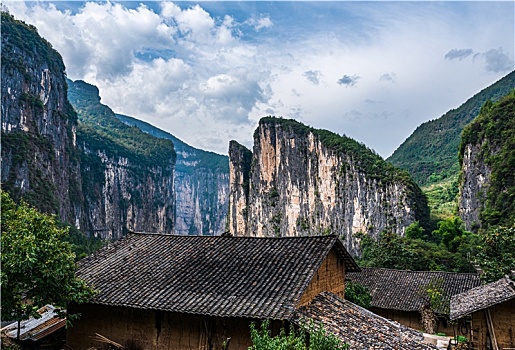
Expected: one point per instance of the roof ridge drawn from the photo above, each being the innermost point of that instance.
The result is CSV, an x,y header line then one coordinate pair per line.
x,y
220,236
416,271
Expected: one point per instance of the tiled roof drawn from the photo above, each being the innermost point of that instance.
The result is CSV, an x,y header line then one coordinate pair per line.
x,y
37,328
358,327
217,276
481,297
401,290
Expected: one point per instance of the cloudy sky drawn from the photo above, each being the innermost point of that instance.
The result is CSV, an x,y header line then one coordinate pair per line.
x,y
208,71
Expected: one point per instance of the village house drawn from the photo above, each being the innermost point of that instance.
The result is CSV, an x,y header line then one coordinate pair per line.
x,y
399,294
161,291
487,315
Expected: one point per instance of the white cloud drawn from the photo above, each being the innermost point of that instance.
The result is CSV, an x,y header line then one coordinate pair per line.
x,y
208,75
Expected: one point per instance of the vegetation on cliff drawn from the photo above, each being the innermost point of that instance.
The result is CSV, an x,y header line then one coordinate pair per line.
x,y
100,130
202,159
494,131
430,154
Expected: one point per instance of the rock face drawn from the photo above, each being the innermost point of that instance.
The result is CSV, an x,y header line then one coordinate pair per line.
x,y
475,179
40,162
128,180
102,177
303,181
201,185
487,158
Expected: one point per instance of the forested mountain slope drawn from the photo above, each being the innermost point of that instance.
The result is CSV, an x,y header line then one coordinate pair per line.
x,y
430,154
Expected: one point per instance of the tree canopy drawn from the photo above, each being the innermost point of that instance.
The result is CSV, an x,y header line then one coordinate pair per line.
x,y
38,266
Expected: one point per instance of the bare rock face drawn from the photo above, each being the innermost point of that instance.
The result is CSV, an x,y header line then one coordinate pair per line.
x,y
201,184
128,175
40,161
473,191
303,181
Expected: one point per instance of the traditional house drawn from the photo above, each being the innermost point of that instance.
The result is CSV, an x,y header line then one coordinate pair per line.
x,y
487,315
359,327
399,294
199,292
196,292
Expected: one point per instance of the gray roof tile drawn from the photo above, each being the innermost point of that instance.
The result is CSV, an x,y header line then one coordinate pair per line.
x,y
401,289
218,276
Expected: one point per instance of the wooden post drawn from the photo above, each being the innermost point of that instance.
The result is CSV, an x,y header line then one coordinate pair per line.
x,y
491,329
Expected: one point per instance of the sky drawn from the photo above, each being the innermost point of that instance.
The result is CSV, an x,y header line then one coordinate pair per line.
x,y
208,71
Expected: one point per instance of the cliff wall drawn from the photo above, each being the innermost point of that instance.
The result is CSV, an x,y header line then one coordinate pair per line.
x,y
304,181
40,162
128,180
487,159
201,185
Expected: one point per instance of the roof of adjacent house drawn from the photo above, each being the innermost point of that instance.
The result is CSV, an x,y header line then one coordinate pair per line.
x,y
217,276
358,327
481,297
402,290
37,328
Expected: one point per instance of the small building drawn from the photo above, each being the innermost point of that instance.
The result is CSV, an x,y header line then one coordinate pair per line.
x,y
398,294
161,291
45,331
487,314
359,327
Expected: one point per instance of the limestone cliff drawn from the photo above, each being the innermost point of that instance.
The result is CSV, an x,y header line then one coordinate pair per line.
x,y
487,158
128,180
304,181
40,162
201,185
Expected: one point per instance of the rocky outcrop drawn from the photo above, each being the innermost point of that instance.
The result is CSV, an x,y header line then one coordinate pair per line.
x,y
104,178
304,181
128,180
40,162
475,179
201,185
487,159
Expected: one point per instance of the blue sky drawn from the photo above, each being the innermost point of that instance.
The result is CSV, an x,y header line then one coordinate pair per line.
x,y
207,72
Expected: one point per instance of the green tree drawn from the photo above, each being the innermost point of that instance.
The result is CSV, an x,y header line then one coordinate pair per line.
x,y
415,231
358,294
451,232
496,255
38,267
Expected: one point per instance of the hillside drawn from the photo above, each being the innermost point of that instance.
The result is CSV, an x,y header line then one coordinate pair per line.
x,y
430,154
201,184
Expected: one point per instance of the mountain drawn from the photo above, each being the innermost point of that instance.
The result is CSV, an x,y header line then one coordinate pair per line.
x,y
487,159
127,174
301,181
430,154
40,160
201,184
92,171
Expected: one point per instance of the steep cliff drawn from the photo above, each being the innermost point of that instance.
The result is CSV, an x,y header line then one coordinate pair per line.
x,y
127,174
487,158
40,162
304,181
201,185
430,154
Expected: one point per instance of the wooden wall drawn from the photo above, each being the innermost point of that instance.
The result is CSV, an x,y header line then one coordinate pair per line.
x,y
157,330
330,277
503,319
